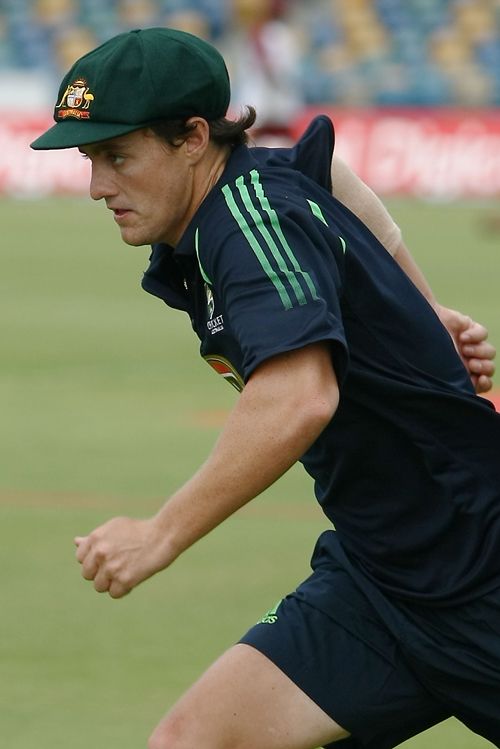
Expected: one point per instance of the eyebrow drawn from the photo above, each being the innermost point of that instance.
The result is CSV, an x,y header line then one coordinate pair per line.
x,y
103,145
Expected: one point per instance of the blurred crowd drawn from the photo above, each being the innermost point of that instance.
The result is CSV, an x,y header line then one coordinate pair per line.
x,y
284,54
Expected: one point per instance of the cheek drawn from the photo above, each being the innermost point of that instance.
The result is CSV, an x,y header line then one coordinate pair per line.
x,y
173,195
166,190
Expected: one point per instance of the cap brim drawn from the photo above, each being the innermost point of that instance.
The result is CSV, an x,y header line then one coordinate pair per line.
x,y
72,133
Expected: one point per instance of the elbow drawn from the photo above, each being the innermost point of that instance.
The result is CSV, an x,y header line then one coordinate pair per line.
x,y
316,410
316,399
323,408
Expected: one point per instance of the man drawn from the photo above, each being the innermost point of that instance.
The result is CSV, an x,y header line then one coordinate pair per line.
x,y
343,364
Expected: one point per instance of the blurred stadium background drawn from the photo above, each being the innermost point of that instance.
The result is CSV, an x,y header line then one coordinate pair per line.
x,y
377,52
414,84
105,405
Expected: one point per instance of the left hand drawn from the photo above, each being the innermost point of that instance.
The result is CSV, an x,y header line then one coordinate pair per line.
x,y
470,339
120,554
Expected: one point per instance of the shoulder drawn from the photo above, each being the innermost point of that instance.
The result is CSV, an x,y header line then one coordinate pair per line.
x,y
262,200
311,155
248,206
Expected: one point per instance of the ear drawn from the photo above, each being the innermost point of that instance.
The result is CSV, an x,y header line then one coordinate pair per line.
x,y
198,139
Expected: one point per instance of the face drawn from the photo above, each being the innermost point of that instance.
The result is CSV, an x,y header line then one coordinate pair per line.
x,y
147,184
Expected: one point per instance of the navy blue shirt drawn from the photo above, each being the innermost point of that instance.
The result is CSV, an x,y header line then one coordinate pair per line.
x,y
408,470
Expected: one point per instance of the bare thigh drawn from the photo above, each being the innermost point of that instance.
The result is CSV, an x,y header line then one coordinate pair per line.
x,y
244,701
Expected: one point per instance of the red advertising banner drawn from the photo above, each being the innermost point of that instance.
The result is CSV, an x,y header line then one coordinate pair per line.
x,y
427,152
433,153
25,173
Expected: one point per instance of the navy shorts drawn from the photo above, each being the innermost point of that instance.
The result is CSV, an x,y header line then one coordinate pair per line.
x,y
384,672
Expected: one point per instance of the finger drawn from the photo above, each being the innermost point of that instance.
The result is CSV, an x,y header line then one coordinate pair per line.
x,y
118,589
89,567
102,581
483,350
82,547
483,384
474,332
481,367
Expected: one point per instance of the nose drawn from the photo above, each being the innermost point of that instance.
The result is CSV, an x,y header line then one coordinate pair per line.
x,y
101,183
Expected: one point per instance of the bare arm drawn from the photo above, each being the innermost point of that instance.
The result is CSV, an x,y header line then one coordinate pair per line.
x,y
285,405
365,204
470,337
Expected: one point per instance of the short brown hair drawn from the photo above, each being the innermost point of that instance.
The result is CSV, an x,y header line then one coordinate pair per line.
x,y
223,132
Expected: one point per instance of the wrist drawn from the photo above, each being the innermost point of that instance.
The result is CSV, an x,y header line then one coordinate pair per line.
x,y
162,539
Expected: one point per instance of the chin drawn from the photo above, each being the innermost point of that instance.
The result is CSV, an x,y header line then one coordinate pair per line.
x,y
135,241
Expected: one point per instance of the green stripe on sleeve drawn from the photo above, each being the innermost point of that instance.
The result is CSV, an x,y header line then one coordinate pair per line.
x,y
259,191
259,253
259,223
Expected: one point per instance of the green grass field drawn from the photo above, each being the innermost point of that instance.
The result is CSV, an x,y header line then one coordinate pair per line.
x,y
106,408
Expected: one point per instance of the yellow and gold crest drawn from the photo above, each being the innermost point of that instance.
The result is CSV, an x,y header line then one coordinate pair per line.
x,y
76,100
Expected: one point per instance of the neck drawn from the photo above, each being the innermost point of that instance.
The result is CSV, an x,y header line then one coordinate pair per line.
x,y
214,169
201,179
204,177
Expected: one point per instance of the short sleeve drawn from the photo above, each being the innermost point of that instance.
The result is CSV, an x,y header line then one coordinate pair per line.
x,y
275,269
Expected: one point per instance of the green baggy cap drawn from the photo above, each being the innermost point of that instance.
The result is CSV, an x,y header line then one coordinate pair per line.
x,y
133,80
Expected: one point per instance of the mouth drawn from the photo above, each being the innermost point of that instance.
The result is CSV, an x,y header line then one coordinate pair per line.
x,y
120,214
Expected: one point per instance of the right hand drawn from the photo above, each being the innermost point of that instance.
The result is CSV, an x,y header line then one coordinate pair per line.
x,y
120,554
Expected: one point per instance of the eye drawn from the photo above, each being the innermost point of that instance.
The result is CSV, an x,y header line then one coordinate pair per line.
x,y
84,156
116,159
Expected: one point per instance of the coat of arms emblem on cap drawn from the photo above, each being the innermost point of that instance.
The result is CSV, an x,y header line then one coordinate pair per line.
x,y
75,101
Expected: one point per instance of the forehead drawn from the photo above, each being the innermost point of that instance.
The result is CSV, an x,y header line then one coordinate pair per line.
x,y
138,140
